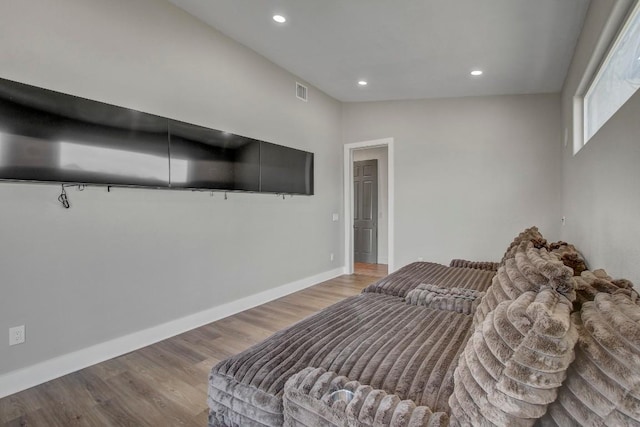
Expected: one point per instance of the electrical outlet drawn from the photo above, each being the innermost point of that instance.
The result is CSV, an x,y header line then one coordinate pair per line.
x,y
420,259
331,257
16,335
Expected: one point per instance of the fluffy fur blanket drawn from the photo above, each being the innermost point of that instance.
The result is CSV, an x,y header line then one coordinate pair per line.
x,y
531,234
308,403
603,384
411,276
459,300
529,269
590,283
514,363
570,256
480,265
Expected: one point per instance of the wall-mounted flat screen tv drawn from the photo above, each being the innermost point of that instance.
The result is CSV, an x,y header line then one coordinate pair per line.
x,y
50,136
206,158
285,170
54,137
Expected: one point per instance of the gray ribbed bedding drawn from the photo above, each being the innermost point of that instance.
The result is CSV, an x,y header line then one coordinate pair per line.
x,y
373,338
410,276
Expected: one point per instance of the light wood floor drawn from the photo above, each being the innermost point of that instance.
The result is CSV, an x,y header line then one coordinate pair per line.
x,y
376,270
165,384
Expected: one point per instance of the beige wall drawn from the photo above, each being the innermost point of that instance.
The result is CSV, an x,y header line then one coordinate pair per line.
x,y
470,173
601,196
120,262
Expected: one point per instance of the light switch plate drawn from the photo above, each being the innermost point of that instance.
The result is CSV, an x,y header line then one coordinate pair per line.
x,y
336,217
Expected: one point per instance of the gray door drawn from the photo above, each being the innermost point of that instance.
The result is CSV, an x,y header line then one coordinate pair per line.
x,y
365,211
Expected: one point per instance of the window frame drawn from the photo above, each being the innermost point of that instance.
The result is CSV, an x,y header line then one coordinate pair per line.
x,y
612,34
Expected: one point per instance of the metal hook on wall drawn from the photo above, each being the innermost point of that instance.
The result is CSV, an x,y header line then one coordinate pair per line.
x,y
63,199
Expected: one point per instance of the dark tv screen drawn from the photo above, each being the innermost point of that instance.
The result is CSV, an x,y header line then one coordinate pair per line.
x,y
285,170
54,137
50,136
204,158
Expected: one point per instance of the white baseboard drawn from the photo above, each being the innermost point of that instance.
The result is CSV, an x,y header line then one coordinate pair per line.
x,y
383,260
39,373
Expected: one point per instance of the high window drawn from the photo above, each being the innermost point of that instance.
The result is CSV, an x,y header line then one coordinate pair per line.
x,y
617,79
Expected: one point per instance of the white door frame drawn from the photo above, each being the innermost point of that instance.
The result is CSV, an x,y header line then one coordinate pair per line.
x,y
348,199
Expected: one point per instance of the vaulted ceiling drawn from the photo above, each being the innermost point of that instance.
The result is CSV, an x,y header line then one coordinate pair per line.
x,y
407,49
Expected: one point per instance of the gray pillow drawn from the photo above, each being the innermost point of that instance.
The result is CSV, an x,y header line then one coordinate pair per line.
x,y
454,299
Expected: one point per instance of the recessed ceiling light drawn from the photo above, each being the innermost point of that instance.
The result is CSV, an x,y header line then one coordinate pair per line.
x,y
476,73
362,83
279,19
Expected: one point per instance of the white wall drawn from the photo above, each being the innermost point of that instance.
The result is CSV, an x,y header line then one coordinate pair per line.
x,y
380,154
119,262
601,197
470,172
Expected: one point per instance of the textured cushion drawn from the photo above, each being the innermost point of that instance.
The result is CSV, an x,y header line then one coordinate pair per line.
x,y
480,265
453,299
603,384
590,283
411,276
307,403
514,363
570,256
375,339
529,269
531,234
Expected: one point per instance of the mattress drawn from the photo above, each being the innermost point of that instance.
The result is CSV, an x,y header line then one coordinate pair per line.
x,y
375,339
412,275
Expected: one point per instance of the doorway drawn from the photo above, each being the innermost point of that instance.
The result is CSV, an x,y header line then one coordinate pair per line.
x,y
368,211
365,209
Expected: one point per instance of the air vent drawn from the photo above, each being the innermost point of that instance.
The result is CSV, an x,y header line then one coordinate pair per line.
x,y
301,92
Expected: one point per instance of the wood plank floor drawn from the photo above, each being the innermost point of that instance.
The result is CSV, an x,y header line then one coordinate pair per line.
x,y
165,384
376,270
